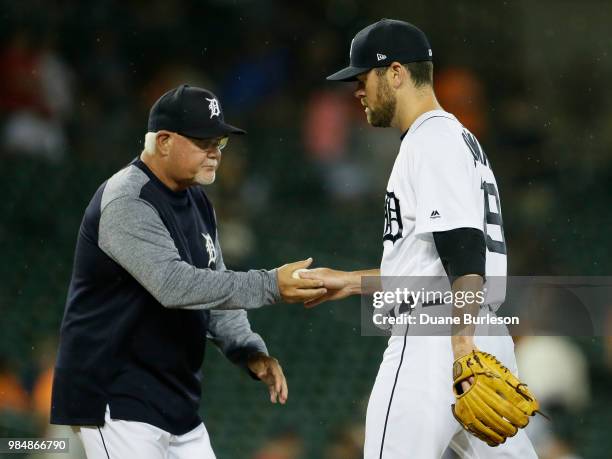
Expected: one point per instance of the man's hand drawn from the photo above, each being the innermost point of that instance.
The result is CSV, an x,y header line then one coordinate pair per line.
x,y
298,290
463,345
269,371
462,339
339,284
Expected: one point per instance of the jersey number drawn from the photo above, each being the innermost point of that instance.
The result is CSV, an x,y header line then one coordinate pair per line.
x,y
493,217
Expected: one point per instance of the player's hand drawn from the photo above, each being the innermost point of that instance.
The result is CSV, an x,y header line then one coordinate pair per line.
x,y
463,345
336,282
269,371
296,289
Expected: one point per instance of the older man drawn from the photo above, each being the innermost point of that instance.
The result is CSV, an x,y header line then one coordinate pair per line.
x,y
149,285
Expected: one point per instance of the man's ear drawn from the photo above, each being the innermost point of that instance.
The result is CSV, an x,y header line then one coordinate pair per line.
x,y
398,74
163,142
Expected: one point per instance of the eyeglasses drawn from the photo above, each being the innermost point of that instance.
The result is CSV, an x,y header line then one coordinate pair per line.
x,y
218,143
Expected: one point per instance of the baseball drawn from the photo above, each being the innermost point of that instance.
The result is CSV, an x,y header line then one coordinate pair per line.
x,y
296,273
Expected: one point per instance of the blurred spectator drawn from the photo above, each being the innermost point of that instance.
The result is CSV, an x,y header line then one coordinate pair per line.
x,y
346,443
41,403
326,125
13,397
35,99
556,370
30,133
287,444
41,393
56,81
460,92
21,88
41,390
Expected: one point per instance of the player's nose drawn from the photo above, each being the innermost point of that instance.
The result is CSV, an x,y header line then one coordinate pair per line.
x,y
359,93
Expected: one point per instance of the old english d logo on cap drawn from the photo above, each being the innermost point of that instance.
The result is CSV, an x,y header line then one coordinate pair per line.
x,y
192,112
213,106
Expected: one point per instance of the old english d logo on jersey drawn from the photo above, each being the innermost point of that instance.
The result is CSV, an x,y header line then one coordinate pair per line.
x,y
393,218
210,248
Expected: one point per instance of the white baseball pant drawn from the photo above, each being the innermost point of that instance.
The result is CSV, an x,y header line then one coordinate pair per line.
x,y
409,411
137,440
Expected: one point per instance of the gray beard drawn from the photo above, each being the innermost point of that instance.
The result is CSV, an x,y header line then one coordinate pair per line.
x,y
204,182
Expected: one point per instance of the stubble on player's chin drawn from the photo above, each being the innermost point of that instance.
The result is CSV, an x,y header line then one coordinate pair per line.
x,y
379,121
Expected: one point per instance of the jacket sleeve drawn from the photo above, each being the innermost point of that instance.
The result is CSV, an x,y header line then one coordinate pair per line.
x,y
231,331
132,233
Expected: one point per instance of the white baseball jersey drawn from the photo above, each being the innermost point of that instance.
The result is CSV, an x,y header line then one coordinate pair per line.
x,y
441,180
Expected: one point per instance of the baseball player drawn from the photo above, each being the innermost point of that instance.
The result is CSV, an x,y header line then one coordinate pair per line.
x,y
442,218
149,286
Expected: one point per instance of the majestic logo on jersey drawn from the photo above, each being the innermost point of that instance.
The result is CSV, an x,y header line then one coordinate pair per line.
x,y
213,106
210,248
435,214
477,153
393,218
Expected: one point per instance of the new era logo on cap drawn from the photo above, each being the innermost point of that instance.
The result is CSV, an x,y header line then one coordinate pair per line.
x,y
380,57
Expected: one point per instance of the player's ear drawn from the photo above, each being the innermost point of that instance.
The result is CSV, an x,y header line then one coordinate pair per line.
x,y
397,74
163,141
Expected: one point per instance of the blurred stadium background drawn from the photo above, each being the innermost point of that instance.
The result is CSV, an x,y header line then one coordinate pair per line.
x,y
530,79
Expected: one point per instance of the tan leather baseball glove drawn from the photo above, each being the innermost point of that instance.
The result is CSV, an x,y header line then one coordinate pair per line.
x,y
496,405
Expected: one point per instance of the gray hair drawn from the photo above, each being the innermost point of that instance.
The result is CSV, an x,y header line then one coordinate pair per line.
x,y
149,143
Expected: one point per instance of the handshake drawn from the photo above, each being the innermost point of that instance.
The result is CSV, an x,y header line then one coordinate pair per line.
x,y
298,284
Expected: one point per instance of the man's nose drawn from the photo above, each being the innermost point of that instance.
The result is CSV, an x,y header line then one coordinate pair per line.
x,y
359,93
214,153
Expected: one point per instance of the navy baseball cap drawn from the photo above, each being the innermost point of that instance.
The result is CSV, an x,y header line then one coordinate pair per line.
x,y
381,43
192,112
